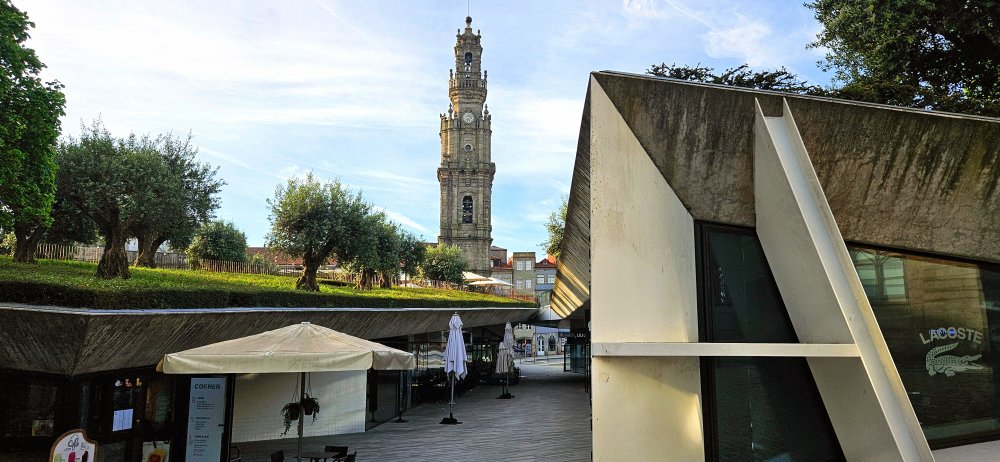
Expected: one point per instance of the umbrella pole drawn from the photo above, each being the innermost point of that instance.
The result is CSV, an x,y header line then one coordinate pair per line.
x,y
302,417
451,420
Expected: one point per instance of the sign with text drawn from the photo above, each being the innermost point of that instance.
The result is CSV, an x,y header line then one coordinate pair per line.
x,y
206,419
73,446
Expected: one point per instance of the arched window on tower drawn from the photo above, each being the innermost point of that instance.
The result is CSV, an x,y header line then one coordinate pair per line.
x,y
467,209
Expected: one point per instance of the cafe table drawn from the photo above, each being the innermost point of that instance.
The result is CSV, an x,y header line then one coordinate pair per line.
x,y
320,455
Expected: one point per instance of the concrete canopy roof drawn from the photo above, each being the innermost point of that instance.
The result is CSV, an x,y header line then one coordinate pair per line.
x,y
895,177
79,341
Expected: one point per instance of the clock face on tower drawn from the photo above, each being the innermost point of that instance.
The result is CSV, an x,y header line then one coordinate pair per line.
x,y
468,118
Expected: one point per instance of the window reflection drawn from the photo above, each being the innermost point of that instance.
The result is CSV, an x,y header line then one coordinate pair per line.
x,y
881,274
941,322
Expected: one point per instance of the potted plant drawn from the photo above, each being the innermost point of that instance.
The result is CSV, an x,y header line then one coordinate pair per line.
x,y
290,413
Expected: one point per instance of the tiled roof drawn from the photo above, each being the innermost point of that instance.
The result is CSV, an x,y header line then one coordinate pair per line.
x,y
548,262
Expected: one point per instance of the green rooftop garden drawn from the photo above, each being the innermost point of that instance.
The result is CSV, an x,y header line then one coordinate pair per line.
x,y
72,284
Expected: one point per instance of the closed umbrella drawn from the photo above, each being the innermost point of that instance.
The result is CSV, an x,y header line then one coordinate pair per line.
x,y
503,367
454,362
508,337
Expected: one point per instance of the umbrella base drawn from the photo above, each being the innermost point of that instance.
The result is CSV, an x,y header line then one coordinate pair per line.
x,y
400,420
505,396
450,421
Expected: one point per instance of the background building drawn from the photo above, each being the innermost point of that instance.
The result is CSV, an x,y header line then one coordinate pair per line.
x,y
524,271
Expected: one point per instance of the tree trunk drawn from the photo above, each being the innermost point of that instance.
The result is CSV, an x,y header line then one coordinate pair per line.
x,y
307,281
114,262
148,245
26,244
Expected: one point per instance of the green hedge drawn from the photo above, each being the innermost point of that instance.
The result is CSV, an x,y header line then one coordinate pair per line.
x,y
73,284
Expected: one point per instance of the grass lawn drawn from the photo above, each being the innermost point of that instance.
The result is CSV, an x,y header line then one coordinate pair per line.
x,y
73,284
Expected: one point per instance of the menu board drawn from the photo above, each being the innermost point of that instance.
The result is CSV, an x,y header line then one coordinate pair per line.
x,y
206,419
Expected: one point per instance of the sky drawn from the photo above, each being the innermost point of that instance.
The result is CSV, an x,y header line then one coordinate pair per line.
x,y
352,90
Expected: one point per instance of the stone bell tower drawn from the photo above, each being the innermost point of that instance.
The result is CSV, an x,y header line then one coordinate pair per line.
x,y
466,172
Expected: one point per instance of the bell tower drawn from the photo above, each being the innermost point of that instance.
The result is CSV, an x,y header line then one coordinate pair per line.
x,y
466,172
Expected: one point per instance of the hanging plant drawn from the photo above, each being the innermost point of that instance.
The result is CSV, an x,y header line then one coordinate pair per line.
x,y
310,406
290,413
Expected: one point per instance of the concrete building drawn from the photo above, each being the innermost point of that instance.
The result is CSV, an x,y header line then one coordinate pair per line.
x,y
466,172
770,276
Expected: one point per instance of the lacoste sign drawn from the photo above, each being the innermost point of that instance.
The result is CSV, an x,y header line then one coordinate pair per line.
x,y
937,362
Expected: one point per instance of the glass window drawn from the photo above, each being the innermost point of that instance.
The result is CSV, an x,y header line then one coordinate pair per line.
x,y
527,283
28,407
540,279
941,321
552,278
520,284
759,409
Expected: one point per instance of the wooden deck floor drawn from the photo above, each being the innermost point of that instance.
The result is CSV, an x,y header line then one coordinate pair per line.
x,y
548,420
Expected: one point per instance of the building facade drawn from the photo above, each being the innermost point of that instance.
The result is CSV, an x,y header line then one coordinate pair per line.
x,y
766,276
524,271
545,278
466,171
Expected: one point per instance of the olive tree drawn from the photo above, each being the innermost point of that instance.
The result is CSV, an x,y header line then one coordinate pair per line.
x,y
314,221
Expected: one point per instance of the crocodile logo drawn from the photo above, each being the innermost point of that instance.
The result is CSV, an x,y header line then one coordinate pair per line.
x,y
949,364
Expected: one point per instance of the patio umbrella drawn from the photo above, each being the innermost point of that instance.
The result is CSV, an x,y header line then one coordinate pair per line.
x,y
490,282
454,362
508,337
469,276
298,348
503,367
508,341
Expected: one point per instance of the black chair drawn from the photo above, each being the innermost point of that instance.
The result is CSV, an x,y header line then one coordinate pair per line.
x,y
278,456
340,450
350,457
234,454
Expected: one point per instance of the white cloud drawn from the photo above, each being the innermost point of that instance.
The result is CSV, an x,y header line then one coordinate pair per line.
x,y
749,40
402,219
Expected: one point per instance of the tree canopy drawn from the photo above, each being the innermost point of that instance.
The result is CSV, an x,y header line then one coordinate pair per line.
x,y
188,197
443,262
740,76
942,55
555,227
314,221
217,240
112,181
29,127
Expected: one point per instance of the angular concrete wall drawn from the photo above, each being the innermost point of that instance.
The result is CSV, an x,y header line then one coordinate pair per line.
x,y
643,291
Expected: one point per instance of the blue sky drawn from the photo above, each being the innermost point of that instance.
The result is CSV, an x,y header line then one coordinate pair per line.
x,y
353,89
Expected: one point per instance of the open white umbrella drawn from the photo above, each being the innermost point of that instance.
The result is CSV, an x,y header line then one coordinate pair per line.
x,y
298,348
490,282
469,276
454,362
